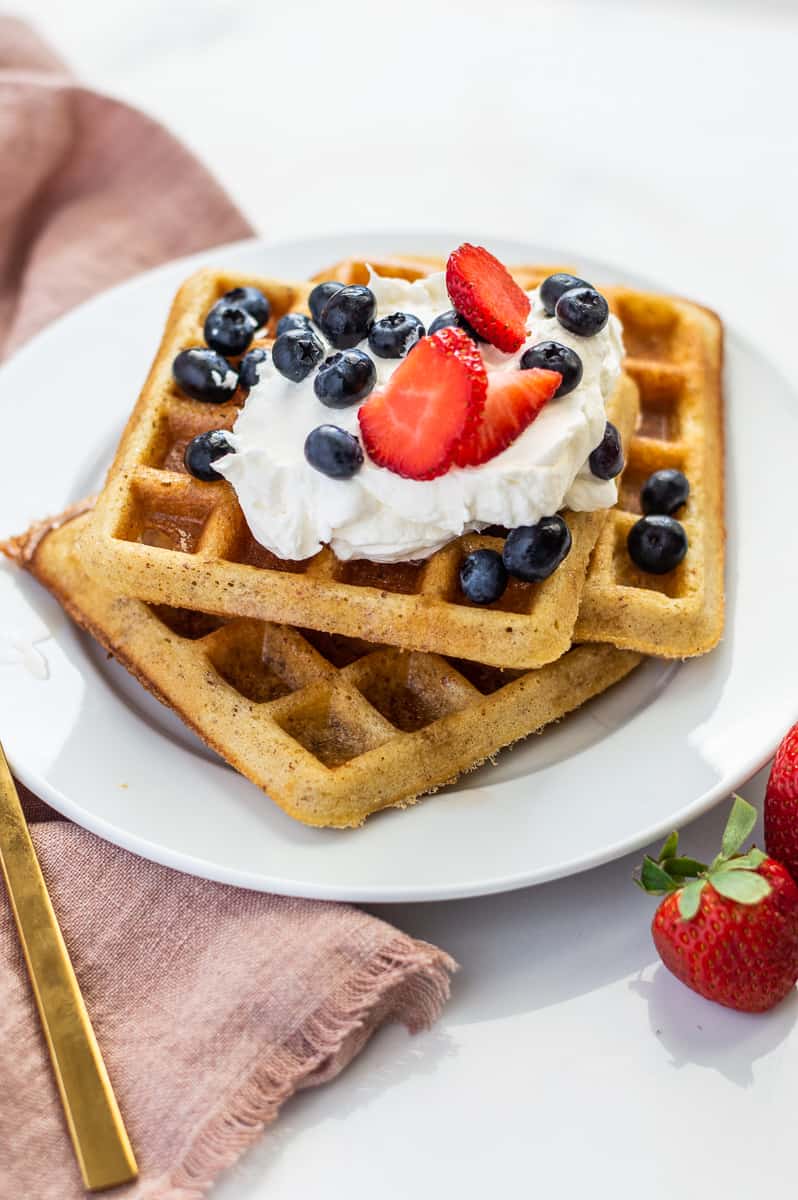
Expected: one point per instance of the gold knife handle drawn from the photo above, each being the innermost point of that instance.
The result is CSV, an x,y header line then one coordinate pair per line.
x,y
95,1123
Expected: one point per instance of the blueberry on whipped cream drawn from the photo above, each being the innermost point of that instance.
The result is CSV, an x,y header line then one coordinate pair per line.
x,y
204,450
293,320
393,336
296,353
333,452
452,436
344,378
319,296
607,459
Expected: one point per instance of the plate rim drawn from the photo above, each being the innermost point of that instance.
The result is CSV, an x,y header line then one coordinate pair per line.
x,y
187,862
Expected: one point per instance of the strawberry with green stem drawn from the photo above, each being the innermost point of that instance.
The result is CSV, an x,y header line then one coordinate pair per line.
x,y
728,929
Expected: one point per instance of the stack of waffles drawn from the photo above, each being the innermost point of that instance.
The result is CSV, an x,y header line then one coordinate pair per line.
x,y
341,688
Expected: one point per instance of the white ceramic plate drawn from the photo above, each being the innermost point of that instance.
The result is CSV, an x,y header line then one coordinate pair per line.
x,y
658,749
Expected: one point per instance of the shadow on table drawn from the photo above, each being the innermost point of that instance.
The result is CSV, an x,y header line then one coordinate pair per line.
x,y
696,1032
527,950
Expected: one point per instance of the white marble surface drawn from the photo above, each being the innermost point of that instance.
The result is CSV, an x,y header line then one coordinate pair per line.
x,y
656,134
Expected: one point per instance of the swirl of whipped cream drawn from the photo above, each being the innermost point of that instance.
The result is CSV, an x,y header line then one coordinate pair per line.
x,y
293,510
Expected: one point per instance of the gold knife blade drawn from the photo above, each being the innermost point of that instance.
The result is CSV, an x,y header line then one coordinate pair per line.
x,y
95,1123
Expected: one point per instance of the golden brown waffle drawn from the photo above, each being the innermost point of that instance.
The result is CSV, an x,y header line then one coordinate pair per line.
x,y
674,354
163,536
333,728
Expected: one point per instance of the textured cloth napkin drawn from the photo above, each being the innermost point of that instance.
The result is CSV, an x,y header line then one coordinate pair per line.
x,y
212,1005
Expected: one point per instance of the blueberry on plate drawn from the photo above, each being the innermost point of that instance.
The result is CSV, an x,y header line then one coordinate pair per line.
x,y
664,492
393,336
344,378
607,459
348,316
253,300
533,552
333,451
483,576
554,286
453,319
657,543
204,375
552,356
293,320
320,295
229,328
249,365
296,353
203,450
583,311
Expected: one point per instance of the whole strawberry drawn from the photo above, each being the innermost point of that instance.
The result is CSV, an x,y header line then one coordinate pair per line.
x,y
729,930
781,804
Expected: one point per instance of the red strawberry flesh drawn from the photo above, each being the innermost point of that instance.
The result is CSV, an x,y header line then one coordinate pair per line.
x,y
514,400
781,804
485,293
433,399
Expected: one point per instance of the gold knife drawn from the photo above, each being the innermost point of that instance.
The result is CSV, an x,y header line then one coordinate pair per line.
x,y
95,1124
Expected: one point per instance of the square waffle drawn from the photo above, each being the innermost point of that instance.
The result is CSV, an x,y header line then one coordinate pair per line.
x,y
333,728
163,536
674,354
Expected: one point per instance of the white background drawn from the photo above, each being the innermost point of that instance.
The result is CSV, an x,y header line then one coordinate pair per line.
x,y
660,135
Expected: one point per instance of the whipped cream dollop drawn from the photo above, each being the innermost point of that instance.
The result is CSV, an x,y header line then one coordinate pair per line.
x,y
293,510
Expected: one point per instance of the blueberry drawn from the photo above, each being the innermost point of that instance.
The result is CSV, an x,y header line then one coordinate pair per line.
x,y
533,552
348,316
253,300
248,367
204,450
393,336
333,451
204,375
553,287
607,459
344,378
296,353
229,328
664,492
483,576
453,319
583,311
657,543
292,320
552,356
320,295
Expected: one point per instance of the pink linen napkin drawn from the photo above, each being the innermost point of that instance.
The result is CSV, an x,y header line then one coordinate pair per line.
x,y
213,1005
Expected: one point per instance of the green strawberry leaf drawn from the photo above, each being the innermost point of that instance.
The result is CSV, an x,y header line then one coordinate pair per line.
x,y
745,862
669,848
743,886
740,825
683,867
654,880
690,898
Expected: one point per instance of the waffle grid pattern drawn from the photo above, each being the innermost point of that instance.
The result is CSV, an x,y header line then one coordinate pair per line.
x,y
333,728
165,537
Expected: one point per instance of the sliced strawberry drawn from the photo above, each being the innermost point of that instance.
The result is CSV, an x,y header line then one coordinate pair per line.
x,y
514,400
433,399
485,293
